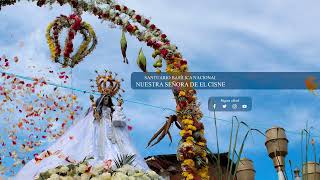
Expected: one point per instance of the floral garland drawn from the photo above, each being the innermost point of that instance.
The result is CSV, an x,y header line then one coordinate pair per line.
x,y
192,149
75,24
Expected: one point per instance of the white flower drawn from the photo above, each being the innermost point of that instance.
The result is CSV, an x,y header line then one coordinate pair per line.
x,y
119,175
64,169
105,176
54,177
127,169
52,171
145,177
139,174
67,178
82,168
152,174
97,169
85,176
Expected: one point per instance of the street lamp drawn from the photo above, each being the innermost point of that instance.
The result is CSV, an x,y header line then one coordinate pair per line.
x,y
245,170
311,171
277,146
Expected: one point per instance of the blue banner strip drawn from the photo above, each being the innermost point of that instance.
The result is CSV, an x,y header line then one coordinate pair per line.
x,y
227,80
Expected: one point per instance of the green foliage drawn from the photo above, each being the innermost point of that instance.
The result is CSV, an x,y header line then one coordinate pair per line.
x,y
142,61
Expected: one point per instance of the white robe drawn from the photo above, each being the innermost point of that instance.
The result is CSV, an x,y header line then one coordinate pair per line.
x,y
87,138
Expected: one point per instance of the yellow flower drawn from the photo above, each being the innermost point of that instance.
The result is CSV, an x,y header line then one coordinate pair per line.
x,y
202,131
182,132
184,67
192,128
203,154
189,177
190,139
203,173
50,42
74,97
189,162
187,122
201,144
182,93
168,69
185,132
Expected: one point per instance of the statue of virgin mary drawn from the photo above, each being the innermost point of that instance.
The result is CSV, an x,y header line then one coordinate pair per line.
x,y
101,134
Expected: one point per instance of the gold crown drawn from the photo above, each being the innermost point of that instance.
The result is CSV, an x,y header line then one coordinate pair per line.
x,y
107,84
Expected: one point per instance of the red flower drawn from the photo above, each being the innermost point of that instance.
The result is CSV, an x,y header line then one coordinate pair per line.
x,y
183,103
130,128
183,62
146,21
61,2
125,8
150,42
164,52
138,18
118,7
157,45
163,36
152,27
130,28
105,15
74,3
65,54
71,34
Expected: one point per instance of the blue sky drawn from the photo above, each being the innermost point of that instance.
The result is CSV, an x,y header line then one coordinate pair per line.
x,y
213,36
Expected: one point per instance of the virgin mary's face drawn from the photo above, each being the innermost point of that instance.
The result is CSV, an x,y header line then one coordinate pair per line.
x,y
106,100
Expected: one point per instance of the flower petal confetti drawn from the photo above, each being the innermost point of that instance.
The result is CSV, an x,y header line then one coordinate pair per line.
x,y
33,114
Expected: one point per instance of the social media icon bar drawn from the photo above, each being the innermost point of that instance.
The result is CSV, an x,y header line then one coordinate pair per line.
x,y
230,103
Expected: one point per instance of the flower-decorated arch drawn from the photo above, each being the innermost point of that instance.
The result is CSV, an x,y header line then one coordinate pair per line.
x,y
192,147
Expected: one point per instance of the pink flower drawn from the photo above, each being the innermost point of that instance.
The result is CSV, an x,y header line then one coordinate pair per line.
x,y
130,128
107,164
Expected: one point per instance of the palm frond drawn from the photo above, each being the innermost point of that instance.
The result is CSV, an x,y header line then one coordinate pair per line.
x,y
124,159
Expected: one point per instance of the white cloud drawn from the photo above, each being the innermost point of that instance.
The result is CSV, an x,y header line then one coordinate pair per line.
x,y
213,36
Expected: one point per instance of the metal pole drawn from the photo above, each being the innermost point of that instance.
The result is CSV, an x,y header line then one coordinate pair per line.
x,y
281,175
